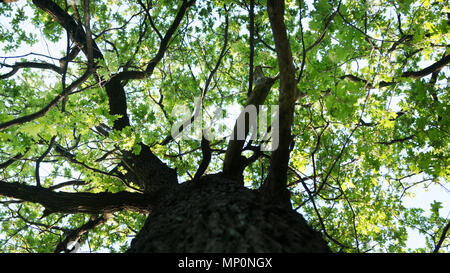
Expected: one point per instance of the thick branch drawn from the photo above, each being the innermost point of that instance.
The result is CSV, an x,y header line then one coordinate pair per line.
x,y
76,32
233,165
91,203
39,160
114,88
77,35
274,188
428,70
206,158
145,169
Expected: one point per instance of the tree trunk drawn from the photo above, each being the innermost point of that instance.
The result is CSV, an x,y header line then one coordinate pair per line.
x,y
215,214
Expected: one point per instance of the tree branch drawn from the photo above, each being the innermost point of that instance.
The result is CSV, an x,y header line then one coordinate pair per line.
x,y
149,17
114,89
71,158
19,65
261,40
39,160
445,60
442,238
233,165
76,234
369,85
437,66
251,30
152,173
91,203
87,27
13,159
400,140
322,35
76,32
68,183
274,187
134,75
198,107
49,106
206,158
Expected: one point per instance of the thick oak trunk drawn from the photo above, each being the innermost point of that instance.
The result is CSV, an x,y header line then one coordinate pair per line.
x,y
215,214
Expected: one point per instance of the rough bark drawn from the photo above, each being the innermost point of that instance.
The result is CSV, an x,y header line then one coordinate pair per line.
x,y
215,214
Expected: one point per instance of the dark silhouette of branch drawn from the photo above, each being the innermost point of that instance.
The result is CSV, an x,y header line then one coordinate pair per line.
x,y
319,217
114,88
39,160
442,238
156,171
13,159
149,17
369,85
75,235
274,187
234,163
89,41
132,75
400,140
71,158
402,39
261,40
437,66
198,107
76,32
19,65
445,60
67,202
68,183
49,106
327,25
206,158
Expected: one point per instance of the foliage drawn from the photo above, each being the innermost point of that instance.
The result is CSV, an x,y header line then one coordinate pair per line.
x,y
366,134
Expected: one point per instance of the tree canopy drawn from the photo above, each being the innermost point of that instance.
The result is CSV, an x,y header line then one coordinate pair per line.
x,y
91,87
